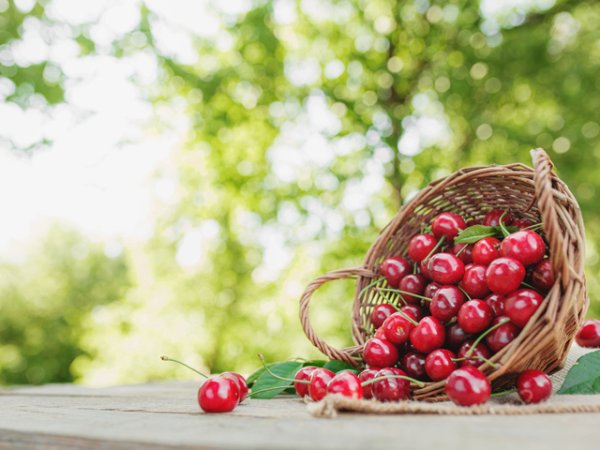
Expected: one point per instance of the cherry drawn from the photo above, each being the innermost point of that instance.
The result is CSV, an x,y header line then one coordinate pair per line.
x,y
380,353
366,375
521,223
439,364
319,379
424,267
414,311
500,337
476,357
446,302
414,365
504,275
240,381
431,289
492,218
455,336
468,386
472,222
589,334
475,316
446,268
380,313
394,269
473,281
534,386
380,333
218,394
525,246
347,384
391,389
302,376
397,328
428,335
486,250
448,225
521,305
464,252
496,302
413,283
542,276
420,246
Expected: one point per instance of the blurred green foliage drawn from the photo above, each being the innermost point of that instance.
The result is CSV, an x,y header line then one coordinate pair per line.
x,y
307,135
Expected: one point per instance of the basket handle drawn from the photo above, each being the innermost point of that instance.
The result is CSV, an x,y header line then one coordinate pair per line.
x,y
345,354
544,191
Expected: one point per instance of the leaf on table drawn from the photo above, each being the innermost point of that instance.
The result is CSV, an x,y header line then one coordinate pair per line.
x,y
584,376
275,386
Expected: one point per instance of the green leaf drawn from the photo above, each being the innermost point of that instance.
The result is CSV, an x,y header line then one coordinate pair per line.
x,y
338,366
584,376
474,233
265,380
258,372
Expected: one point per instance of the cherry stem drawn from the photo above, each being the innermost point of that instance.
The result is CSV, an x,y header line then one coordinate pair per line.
x,y
370,285
274,375
398,291
482,335
527,285
414,268
479,358
501,393
461,250
166,358
438,245
505,232
387,377
464,292
407,317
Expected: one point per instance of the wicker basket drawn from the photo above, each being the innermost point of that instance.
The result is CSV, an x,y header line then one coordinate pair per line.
x,y
536,193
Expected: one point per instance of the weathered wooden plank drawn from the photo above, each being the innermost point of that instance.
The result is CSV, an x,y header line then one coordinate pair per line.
x,y
166,415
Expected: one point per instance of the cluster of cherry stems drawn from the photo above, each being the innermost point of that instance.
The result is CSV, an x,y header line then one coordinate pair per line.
x,y
451,292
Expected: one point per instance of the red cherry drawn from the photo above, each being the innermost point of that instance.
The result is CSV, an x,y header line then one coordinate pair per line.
x,y
240,381
431,289
366,375
525,246
414,311
486,250
414,365
446,268
542,276
394,269
447,224
420,246
439,364
380,353
521,305
467,386
589,334
496,302
455,336
504,275
472,222
303,375
397,328
446,302
428,335
475,316
424,267
473,281
492,219
521,223
464,252
415,284
218,394
347,384
319,379
500,337
534,386
380,313
476,357
391,389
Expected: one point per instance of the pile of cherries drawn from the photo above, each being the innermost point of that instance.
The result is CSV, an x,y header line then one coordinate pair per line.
x,y
463,299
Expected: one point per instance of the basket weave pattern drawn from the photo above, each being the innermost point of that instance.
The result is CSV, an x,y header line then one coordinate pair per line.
x,y
538,195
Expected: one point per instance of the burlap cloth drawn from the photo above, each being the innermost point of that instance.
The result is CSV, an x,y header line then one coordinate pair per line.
x,y
504,405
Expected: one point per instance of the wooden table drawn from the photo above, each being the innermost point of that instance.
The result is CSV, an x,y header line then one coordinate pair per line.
x,y
165,415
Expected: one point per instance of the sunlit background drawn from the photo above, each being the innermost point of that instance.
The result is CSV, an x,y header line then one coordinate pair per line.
x,y
172,174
